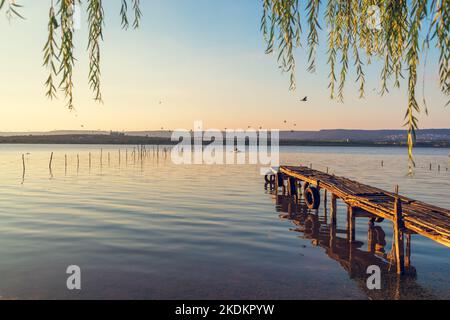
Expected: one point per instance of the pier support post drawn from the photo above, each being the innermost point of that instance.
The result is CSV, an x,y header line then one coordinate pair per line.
x,y
351,224
299,190
333,209
398,236
332,238
408,252
371,239
278,182
292,185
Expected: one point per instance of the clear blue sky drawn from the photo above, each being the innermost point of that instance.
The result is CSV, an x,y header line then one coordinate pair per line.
x,y
204,60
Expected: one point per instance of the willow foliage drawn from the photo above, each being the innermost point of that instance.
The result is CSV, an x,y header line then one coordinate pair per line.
x,y
58,50
357,32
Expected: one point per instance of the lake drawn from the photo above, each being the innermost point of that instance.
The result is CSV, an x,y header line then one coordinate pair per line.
x,y
155,230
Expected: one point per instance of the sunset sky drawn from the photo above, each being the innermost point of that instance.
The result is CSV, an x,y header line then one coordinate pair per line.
x,y
205,61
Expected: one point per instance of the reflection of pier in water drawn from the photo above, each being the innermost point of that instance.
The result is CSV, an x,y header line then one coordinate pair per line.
x,y
314,225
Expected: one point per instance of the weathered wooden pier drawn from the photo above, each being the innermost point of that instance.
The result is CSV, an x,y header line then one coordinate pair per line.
x,y
353,257
407,215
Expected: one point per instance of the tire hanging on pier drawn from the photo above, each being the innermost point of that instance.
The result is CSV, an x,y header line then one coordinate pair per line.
x,y
312,198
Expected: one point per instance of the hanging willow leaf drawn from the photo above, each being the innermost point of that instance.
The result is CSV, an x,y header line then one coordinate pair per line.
x,y
285,27
332,50
95,20
418,11
12,9
137,13
66,49
124,14
313,36
442,22
50,54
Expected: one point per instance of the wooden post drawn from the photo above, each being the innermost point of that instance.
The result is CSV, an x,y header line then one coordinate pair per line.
x,y
292,187
50,162
408,252
90,161
78,162
371,239
332,238
65,163
333,209
23,166
351,224
278,181
398,236
299,189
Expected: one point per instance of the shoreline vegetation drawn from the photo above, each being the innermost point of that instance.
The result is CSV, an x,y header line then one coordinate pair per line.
x,y
144,140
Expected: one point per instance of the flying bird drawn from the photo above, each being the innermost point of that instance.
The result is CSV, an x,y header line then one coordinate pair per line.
x,y
304,99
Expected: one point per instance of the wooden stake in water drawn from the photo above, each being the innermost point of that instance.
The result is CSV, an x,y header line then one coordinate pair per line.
x,y
89,161
78,163
23,165
65,163
119,157
50,162
109,160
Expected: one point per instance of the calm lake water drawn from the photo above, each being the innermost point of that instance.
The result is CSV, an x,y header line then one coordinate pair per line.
x,y
155,230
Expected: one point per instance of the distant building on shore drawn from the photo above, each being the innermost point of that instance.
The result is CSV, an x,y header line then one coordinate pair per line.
x,y
116,134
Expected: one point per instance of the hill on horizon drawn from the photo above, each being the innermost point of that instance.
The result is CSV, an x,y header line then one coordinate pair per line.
x,y
320,135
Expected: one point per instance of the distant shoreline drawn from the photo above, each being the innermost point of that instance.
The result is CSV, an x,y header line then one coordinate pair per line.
x,y
78,139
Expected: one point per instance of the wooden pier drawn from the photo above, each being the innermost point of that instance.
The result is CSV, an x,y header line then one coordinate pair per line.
x,y
407,215
353,257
